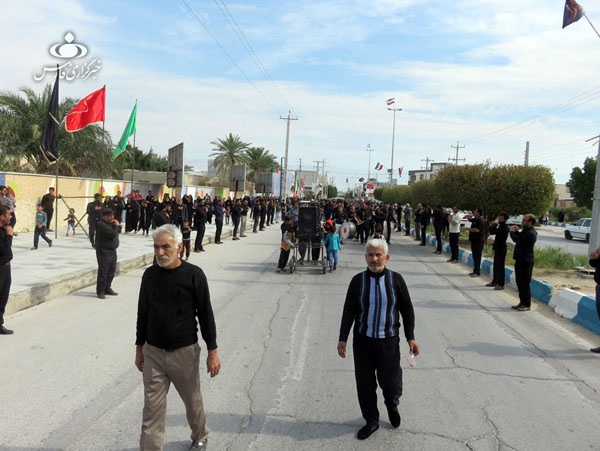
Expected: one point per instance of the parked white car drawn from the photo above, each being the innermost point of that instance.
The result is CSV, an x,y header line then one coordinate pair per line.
x,y
515,220
581,229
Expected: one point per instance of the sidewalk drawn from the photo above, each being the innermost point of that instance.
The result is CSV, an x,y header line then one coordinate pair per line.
x,y
70,264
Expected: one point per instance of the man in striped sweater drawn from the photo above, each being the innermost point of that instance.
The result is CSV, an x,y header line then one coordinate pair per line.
x,y
374,301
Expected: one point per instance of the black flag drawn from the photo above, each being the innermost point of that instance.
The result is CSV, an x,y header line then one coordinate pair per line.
x,y
50,135
573,12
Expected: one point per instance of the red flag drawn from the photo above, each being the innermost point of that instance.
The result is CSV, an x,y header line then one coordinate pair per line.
x,y
86,112
302,185
362,179
400,172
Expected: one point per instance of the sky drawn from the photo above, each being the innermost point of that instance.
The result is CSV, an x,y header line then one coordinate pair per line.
x,y
488,74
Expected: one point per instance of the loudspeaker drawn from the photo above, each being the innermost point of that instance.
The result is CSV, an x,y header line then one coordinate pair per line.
x,y
307,220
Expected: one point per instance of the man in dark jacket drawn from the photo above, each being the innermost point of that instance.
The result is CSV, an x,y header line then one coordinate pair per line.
x,y
500,231
107,242
219,214
476,239
424,221
159,217
236,213
524,260
48,204
439,218
6,255
94,213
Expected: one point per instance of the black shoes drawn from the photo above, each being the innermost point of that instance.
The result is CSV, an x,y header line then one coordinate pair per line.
x,y
101,296
111,292
366,431
498,287
394,416
5,331
521,308
596,350
491,284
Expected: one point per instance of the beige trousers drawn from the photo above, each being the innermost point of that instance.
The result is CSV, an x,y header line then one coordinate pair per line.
x,y
182,367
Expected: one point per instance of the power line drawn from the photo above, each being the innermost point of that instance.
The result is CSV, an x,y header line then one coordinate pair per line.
x,y
229,56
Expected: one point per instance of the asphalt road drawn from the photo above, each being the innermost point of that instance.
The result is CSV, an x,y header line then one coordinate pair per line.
x,y
551,236
488,378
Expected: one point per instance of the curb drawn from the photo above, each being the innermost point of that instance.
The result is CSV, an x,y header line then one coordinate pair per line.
x,y
578,307
47,291
556,224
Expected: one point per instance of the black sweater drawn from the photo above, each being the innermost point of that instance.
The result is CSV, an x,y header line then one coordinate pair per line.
x,y
170,301
359,300
107,235
6,254
525,240
501,231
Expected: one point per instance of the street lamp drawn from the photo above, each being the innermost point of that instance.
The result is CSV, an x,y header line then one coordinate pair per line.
x,y
393,139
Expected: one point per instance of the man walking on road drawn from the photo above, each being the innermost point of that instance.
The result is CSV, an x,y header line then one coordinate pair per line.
x,y
173,295
6,237
374,302
107,242
524,260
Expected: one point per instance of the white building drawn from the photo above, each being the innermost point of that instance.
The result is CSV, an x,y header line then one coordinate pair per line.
x,y
427,173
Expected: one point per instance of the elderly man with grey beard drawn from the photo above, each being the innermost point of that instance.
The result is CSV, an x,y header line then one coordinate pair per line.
x,y
174,298
375,300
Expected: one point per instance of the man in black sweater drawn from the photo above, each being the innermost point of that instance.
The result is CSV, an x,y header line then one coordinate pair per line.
x,y
524,260
501,231
236,213
48,204
374,302
476,239
94,213
6,255
107,242
438,225
174,298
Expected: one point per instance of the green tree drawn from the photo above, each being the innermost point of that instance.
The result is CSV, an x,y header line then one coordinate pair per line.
x,y
396,195
259,160
332,191
22,117
144,161
424,192
228,153
378,193
581,183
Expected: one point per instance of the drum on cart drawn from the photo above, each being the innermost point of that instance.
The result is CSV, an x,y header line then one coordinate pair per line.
x,y
348,230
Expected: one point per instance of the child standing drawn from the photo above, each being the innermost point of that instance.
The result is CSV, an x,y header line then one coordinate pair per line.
x,y
186,231
332,244
70,221
41,218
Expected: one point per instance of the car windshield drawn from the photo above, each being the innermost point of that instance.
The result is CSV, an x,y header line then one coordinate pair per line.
x,y
579,223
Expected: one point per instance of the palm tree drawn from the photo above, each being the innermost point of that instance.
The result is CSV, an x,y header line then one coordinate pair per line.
x,y
228,152
22,116
259,160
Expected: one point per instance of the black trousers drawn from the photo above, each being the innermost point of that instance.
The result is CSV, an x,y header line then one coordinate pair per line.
x,y
523,272
423,234
407,228
50,214
219,224
236,225
263,217
454,245
365,232
438,238
185,248
417,230
200,229
476,250
5,280
499,272
107,266
283,258
376,360
92,232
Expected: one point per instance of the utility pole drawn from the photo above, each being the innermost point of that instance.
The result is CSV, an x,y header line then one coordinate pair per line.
x,y
456,159
287,145
299,171
391,170
317,182
369,149
595,235
325,186
527,153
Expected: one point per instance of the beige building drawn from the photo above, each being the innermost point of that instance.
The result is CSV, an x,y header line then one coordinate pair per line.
x,y
562,197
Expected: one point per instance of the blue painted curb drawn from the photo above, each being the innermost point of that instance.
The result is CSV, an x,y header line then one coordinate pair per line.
x,y
587,316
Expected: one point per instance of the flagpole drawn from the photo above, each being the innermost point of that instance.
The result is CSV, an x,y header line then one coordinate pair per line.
x,y
132,163
591,24
56,200
102,167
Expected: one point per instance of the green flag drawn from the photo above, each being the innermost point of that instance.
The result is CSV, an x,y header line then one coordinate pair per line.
x,y
129,130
